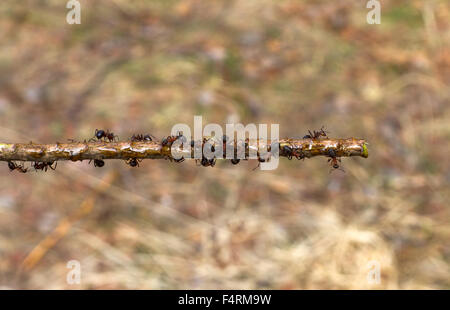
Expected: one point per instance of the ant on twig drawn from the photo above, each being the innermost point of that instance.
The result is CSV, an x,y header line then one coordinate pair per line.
x,y
288,151
168,141
316,134
44,165
235,161
13,166
226,142
291,152
334,160
267,155
101,134
98,163
133,162
140,137
171,139
205,162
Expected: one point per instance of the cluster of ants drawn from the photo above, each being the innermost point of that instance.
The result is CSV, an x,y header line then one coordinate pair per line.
x,y
99,135
107,136
204,161
36,165
287,151
315,135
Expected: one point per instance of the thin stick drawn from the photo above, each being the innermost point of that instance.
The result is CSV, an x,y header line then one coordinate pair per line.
x,y
75,151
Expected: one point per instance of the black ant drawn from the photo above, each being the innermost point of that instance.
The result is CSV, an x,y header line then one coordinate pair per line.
x,y
235,161
101,134
133,162
141,137
44,165
300,155
98,163
334,160
316,134
13,166
205,162
212,162
288,151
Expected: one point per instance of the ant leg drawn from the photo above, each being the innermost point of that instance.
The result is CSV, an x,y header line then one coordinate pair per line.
x,y
259,165
51,166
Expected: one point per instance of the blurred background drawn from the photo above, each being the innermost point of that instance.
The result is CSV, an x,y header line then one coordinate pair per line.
x,y
143,66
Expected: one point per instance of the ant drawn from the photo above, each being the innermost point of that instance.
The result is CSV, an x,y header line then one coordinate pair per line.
x,y
133,162
98,163
171,139
300,155
13,166
205,162
288,151
235,161
263,158
44,165
316,134
141,137
227,142
101,134
334,160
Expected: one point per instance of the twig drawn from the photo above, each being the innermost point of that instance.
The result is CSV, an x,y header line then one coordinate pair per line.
x,y
74,151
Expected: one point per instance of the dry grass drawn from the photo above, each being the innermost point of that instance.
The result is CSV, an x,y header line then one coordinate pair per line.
x,y
142,66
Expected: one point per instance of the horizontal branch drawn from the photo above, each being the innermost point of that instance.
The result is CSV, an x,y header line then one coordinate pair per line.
x,y
75,151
